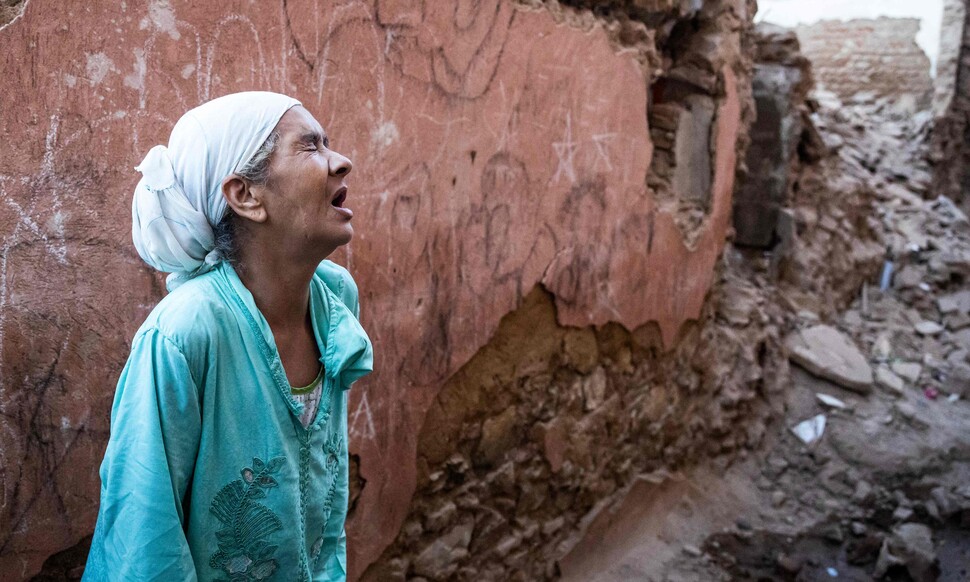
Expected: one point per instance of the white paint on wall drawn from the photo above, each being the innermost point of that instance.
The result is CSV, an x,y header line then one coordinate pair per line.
x,y
97,68
385,135
162,18
791,13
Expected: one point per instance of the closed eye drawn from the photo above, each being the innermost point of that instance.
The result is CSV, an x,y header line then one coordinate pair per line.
x,y
312,140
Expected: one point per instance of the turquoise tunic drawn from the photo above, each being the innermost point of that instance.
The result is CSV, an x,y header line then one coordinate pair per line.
x,y
209,474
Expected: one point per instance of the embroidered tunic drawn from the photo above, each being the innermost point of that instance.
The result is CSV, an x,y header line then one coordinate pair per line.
x,y
209,473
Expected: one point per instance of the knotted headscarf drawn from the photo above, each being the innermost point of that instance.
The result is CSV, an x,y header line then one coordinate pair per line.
x,y
179,198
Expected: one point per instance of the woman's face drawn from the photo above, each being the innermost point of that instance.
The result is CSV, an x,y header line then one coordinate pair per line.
x,y
306,192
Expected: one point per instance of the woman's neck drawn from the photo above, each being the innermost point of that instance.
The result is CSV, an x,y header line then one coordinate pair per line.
x,y
280,283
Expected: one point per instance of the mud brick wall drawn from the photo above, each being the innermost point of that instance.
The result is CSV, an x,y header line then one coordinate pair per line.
x,y
878,56
948,61
951,134
542,194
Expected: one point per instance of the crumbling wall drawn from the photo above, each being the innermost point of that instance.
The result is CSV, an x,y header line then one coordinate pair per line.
x,y
10,9
878,57
508,163
548,421
951,134
780,84
948,58
807,195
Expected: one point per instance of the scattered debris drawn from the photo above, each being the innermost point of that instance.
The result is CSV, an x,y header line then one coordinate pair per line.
x,y
809,431
911,546
886,379
909,371
928,328
828,353
831,401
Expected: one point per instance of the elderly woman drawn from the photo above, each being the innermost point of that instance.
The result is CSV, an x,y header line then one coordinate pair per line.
x,y
228,451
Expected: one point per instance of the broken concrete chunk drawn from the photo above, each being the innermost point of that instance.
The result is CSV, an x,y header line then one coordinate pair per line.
x,y
961,339
882,347
829,354
958,380
928,328
909,277
831,401
909,371
956,320
809,431
954,302
887,380
910,546
440,559
594,389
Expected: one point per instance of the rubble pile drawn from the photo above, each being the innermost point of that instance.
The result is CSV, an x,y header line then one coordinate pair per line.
x,y
539,429
864,476
857,158
867,477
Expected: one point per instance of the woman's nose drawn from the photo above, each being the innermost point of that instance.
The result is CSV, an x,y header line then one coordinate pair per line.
x,y
340,165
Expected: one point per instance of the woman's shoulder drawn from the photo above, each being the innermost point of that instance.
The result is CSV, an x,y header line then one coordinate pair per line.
x,y
190,313
340,282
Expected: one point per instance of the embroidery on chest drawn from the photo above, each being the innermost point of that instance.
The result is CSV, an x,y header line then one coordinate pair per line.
x,y
244,553
333,448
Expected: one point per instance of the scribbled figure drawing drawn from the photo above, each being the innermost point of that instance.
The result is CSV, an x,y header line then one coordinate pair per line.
x,y
52,238
565,152
601,142
363,415
244,553
466,66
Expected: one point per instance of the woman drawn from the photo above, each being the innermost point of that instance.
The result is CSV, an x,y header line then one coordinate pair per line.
x,y
228,451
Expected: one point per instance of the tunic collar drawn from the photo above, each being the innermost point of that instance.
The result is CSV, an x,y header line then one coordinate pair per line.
x,y
345,350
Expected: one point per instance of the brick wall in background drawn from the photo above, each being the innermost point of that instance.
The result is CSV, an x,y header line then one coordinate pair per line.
x,y
877,56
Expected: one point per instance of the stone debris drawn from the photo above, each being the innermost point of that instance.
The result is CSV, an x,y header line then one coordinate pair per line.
x,y
828,353
888,380
958,302
831,401
909,371
910,546
928,328
440,558
811,430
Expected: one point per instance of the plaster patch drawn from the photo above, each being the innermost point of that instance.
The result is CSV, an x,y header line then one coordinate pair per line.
x,y
385,135
136,80
98,67
162,17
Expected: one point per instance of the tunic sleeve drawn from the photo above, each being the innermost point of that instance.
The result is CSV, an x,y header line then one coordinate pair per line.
x,y
147,468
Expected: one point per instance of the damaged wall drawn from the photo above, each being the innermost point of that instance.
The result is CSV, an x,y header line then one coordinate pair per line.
x,y
951,134
780,84
875,56
948,60
491,177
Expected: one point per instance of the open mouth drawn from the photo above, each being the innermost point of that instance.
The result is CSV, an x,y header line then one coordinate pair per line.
x,y
339,200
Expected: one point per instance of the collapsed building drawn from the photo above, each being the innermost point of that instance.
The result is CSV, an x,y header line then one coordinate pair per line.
x,y
583,229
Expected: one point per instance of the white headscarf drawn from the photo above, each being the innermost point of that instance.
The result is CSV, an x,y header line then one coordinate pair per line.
x,y
179,198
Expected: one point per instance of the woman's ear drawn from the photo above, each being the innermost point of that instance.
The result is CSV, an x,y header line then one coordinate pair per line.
x,y
243,200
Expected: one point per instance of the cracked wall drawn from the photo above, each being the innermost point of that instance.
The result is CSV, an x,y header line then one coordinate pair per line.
x,y
589,150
